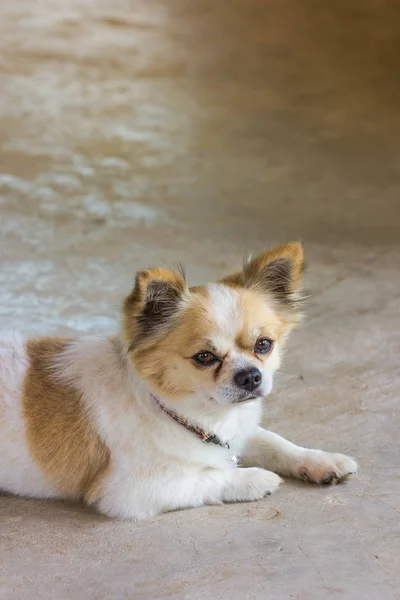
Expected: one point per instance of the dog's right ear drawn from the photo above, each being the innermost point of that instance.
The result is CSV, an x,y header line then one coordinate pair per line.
x,y
156,298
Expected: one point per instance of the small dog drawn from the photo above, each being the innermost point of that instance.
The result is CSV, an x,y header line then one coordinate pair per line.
x,y
165,415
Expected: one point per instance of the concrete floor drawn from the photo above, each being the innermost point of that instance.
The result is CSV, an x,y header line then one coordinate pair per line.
x,y
135,132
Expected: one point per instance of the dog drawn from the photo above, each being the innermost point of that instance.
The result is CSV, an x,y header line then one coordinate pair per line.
x,y
166,414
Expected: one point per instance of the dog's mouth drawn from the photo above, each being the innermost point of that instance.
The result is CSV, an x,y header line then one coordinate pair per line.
x,y
248,398
241,400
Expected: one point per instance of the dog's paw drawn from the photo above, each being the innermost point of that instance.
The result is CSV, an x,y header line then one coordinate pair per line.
x,y
251,484
324,468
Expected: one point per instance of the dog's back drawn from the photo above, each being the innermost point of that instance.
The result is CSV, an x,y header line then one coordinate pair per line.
x,y
18,472
48,446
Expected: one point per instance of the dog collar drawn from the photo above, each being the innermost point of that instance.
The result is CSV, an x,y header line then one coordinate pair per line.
x,y
207,438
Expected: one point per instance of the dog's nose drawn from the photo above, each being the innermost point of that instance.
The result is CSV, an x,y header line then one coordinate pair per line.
x,y
248,379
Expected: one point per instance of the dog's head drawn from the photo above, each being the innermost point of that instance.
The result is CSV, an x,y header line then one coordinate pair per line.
x,y
221,341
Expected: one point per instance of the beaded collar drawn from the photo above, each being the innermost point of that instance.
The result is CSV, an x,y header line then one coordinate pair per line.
x,y
207,438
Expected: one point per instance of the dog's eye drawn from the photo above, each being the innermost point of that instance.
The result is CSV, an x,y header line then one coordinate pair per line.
x,y
263,346
205,359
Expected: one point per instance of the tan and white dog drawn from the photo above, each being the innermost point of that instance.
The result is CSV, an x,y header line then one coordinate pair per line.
x,y
153,419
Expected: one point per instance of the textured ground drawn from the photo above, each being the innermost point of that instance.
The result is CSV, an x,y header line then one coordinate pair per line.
x,y
134,132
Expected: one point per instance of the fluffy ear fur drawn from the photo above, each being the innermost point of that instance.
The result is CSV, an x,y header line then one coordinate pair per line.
x,y
276,271
156,298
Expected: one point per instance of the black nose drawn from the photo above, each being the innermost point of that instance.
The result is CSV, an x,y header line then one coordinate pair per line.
x,y
249,379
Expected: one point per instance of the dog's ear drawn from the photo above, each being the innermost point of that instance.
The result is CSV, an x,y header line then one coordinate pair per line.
x,y
277,271
157,296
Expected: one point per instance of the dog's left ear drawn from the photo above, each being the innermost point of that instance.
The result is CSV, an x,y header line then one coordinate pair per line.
x,y
277,271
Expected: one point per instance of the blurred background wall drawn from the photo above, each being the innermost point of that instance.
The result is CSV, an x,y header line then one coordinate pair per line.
x,y
138,131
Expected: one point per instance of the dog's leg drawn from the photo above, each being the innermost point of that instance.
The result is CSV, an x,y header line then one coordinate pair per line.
x,y
246,485
141,499
271,451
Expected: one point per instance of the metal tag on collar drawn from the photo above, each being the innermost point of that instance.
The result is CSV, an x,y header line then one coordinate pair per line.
x,y
214,439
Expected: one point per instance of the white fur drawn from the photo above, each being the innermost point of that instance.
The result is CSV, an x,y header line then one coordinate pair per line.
x,y
156,464
225,309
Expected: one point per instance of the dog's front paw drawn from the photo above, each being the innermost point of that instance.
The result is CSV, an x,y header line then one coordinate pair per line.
x,y
251,484
317,466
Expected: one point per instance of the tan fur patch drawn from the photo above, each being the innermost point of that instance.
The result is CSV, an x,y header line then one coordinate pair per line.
x,y
157,358
61,438
259,319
